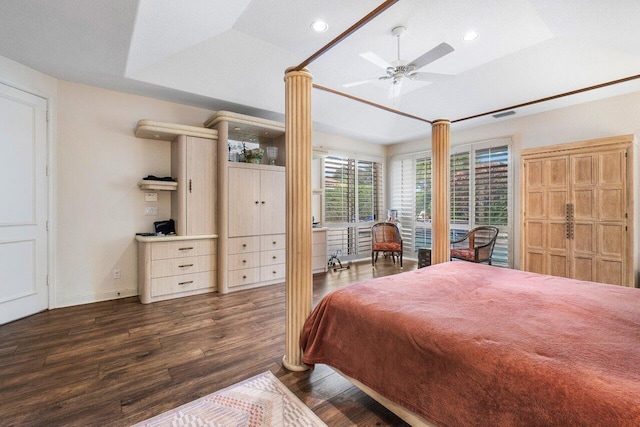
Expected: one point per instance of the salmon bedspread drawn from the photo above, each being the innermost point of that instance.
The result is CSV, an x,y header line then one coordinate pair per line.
x,y
464,344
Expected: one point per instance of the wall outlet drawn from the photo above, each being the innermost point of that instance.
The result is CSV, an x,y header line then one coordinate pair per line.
x,y
151,210
150,197
116,274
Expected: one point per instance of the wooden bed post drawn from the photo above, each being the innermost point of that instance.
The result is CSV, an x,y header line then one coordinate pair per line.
x,y
441,145
299,278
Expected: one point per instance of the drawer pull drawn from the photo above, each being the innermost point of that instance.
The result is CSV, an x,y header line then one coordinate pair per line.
x,y
244,277
244,261
273,272
274,257
185,265
188,248
244,245
274,242
185,283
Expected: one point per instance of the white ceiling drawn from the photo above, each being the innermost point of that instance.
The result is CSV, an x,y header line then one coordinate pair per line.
x,y
232,54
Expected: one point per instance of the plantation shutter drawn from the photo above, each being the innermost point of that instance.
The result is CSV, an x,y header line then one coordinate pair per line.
x,y
492,186
369,190
339,189
403,196
423,204
492,196
459,188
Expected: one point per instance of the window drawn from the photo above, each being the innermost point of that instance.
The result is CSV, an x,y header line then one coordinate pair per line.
x,y
353,202
479,189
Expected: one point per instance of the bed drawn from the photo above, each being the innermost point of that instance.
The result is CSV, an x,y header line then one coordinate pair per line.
x,y
464,344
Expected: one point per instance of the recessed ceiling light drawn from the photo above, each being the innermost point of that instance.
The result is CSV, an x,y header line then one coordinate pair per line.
x,y
319,26
471,35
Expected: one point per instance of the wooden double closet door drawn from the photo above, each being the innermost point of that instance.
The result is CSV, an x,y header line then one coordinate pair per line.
x,y
576,212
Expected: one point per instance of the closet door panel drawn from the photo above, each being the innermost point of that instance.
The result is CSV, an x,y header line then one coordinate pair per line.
x,y
612,204
535,174
583,170
584,268
612,240
610,271
557,239
535,235
558,265
534,262
557,170
557,204
584,238
534,204
613,168
584,202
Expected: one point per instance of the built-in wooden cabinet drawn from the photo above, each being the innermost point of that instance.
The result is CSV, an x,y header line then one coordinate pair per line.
x,y
319,250
193,205
256,226
577,211
185,264
172,267
257,200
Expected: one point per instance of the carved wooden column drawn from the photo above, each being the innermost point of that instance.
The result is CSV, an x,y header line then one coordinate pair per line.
x,y
441,145
299,277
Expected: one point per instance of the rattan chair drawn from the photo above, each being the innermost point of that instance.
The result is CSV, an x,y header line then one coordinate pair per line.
x,y
475,246
386,238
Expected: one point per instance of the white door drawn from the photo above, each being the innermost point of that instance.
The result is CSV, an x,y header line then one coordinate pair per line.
x,y
23,204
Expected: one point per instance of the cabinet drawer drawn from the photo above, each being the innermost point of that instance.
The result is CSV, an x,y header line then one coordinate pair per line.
x,y
182,248
319,250
272,257
243,277
177,266
272,272
240,261
182,283
319,237
240,245
318,263
272,241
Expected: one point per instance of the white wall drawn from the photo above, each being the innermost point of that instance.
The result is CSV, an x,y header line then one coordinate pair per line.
x,y
99,204
618,115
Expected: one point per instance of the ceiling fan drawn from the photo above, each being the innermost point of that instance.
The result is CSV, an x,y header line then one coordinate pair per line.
x,y
400,69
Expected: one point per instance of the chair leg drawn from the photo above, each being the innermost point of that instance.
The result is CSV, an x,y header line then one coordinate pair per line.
x,y
400,259
373,264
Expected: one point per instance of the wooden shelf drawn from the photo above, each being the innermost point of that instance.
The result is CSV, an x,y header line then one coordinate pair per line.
x,y
157,185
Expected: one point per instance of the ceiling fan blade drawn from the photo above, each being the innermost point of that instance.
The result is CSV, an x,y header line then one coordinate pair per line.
x,y
436,53
375,59
352,84
432,77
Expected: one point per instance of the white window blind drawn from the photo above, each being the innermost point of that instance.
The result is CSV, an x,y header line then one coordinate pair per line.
x,y
492,186
403,197
353,202
459,188
339,189
492,196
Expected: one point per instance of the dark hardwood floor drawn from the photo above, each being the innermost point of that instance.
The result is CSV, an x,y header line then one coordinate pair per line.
x,y
119,362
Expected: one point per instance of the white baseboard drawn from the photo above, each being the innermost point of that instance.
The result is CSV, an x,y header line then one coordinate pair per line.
x,y
67,301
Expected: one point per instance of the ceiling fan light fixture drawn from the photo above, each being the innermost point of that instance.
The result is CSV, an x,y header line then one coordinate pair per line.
x,y
319,26
471,35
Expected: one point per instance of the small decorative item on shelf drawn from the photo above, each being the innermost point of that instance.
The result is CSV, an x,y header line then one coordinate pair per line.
x,y
252,156
272,155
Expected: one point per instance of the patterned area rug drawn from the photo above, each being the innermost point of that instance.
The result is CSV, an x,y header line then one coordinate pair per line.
x,y
261,401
